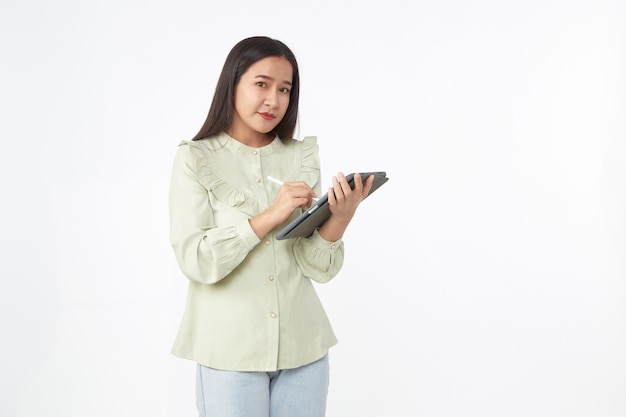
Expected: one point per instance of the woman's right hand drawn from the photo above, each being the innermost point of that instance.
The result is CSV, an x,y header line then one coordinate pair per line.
x,y
292,195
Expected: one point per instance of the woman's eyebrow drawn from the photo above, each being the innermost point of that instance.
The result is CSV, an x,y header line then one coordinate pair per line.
x,y
267,77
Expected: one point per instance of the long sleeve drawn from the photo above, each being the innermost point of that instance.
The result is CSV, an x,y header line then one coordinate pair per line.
x,y
205,253
319,259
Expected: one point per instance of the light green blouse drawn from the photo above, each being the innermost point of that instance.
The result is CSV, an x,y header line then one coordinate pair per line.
x,y
251,304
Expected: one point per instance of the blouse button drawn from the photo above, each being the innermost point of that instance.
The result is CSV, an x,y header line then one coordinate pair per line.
x,y
258,181
271,277
273,315
254,152
267,243
332,247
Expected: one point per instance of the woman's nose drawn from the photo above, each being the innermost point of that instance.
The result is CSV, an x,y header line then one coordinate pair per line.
x,y
271,99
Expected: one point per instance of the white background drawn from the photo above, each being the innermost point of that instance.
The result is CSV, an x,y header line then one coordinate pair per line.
x,y
487,278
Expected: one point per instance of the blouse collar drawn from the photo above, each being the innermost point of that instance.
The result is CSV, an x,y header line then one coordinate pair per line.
x,y
235,146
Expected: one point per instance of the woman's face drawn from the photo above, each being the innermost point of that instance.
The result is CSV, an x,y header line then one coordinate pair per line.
x,y
261,99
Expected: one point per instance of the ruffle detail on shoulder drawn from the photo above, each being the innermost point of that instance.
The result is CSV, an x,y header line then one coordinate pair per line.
x,y
226,193
310,167
212,182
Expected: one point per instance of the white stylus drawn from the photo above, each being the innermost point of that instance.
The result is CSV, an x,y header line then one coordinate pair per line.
x,y
279,182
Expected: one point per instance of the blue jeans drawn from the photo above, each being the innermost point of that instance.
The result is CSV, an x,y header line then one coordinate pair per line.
x,y
299,392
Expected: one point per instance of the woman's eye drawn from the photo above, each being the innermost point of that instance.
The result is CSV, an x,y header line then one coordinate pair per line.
x,y
284,90
261,83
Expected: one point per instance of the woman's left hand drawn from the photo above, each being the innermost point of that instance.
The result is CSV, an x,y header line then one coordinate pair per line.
x,y
343,202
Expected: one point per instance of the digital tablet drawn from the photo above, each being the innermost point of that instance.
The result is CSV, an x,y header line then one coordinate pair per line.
x,y
307,222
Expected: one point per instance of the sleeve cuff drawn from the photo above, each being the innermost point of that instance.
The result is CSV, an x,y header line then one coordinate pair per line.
x,y
247,235
319,242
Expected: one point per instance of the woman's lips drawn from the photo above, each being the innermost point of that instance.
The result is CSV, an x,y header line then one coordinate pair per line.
x,y
267,116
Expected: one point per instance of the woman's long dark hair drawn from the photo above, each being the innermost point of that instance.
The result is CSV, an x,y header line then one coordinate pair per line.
x,y
241,57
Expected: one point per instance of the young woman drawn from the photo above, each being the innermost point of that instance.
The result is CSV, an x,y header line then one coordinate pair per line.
x,y
253,322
